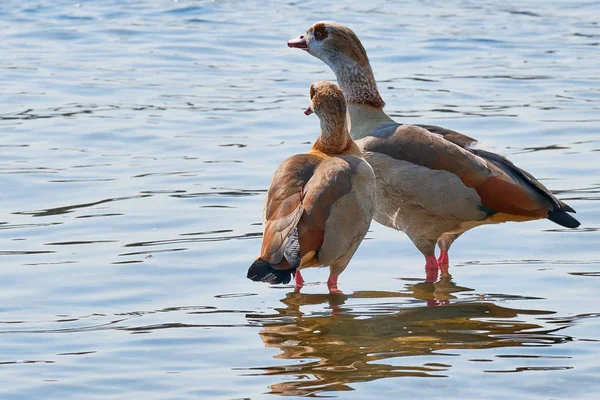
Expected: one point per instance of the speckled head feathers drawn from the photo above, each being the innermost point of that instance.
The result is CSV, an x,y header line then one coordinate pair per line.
x,y
327,100
325,39
339,47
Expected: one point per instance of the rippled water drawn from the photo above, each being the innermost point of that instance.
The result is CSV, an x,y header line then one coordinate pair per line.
x,y
139,137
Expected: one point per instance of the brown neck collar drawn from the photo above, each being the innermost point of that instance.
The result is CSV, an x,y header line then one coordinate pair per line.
x,y
334,138
358,83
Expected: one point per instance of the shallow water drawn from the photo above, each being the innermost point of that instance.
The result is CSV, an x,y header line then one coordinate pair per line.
x,y
138,141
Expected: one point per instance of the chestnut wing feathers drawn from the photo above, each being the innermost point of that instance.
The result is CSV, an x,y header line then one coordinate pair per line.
x,y
502,186
283,207
331,180
505,163
421,147
299,201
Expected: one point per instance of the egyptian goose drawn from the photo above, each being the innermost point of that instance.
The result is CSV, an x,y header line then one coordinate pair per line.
x,y
431,182
320,204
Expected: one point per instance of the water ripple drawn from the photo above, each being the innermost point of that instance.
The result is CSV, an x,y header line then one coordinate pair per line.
x,y
139,139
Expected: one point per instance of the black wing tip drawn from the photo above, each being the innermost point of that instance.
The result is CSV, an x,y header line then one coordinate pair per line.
x,y
562,218
262,271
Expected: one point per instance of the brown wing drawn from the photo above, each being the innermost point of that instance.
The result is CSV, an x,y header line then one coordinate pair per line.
x,y
532,195
283,206
501,186
419,146
458,139
331,180
301,195
518,188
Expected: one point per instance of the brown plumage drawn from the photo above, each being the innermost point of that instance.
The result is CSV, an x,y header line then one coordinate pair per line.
x,y
432,183
320,204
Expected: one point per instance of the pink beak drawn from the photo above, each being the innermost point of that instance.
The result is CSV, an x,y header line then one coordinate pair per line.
x,y
299,43
308,111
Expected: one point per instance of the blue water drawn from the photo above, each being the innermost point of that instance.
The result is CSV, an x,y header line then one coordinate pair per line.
x,y
138,140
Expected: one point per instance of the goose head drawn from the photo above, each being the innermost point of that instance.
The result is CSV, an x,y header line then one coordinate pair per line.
x,y
332,43
339,47
327,101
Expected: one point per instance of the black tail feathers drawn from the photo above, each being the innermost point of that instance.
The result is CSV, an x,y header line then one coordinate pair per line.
x,y
262,271
562,218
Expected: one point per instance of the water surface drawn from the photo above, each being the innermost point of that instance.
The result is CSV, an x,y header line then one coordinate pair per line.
x,y
138,142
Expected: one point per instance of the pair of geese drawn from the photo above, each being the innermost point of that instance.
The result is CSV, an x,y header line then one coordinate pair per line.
x,y
427,181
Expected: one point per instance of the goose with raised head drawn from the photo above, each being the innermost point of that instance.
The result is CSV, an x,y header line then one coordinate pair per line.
x,y
432,183
319,205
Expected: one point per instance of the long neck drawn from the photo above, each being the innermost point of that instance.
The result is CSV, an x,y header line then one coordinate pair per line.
x,y
365,105
357,82
334,138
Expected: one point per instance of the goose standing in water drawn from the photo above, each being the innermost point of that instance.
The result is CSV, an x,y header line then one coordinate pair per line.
x,y
320,204
431,182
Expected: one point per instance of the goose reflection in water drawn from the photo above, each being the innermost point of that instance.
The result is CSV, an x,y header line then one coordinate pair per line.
x,y
361,337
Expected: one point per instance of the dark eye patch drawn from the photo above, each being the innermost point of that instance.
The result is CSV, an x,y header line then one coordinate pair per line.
x,y
320,32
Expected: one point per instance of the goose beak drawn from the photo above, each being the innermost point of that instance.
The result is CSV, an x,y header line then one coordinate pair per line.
x,y
308,111
299,43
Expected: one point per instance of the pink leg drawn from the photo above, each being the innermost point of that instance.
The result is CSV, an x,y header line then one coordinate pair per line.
x,y
299,281
332,284
443,259
435,303
431,269
444,263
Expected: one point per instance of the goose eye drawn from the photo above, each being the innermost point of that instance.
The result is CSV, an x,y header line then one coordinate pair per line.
x,y
320,32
